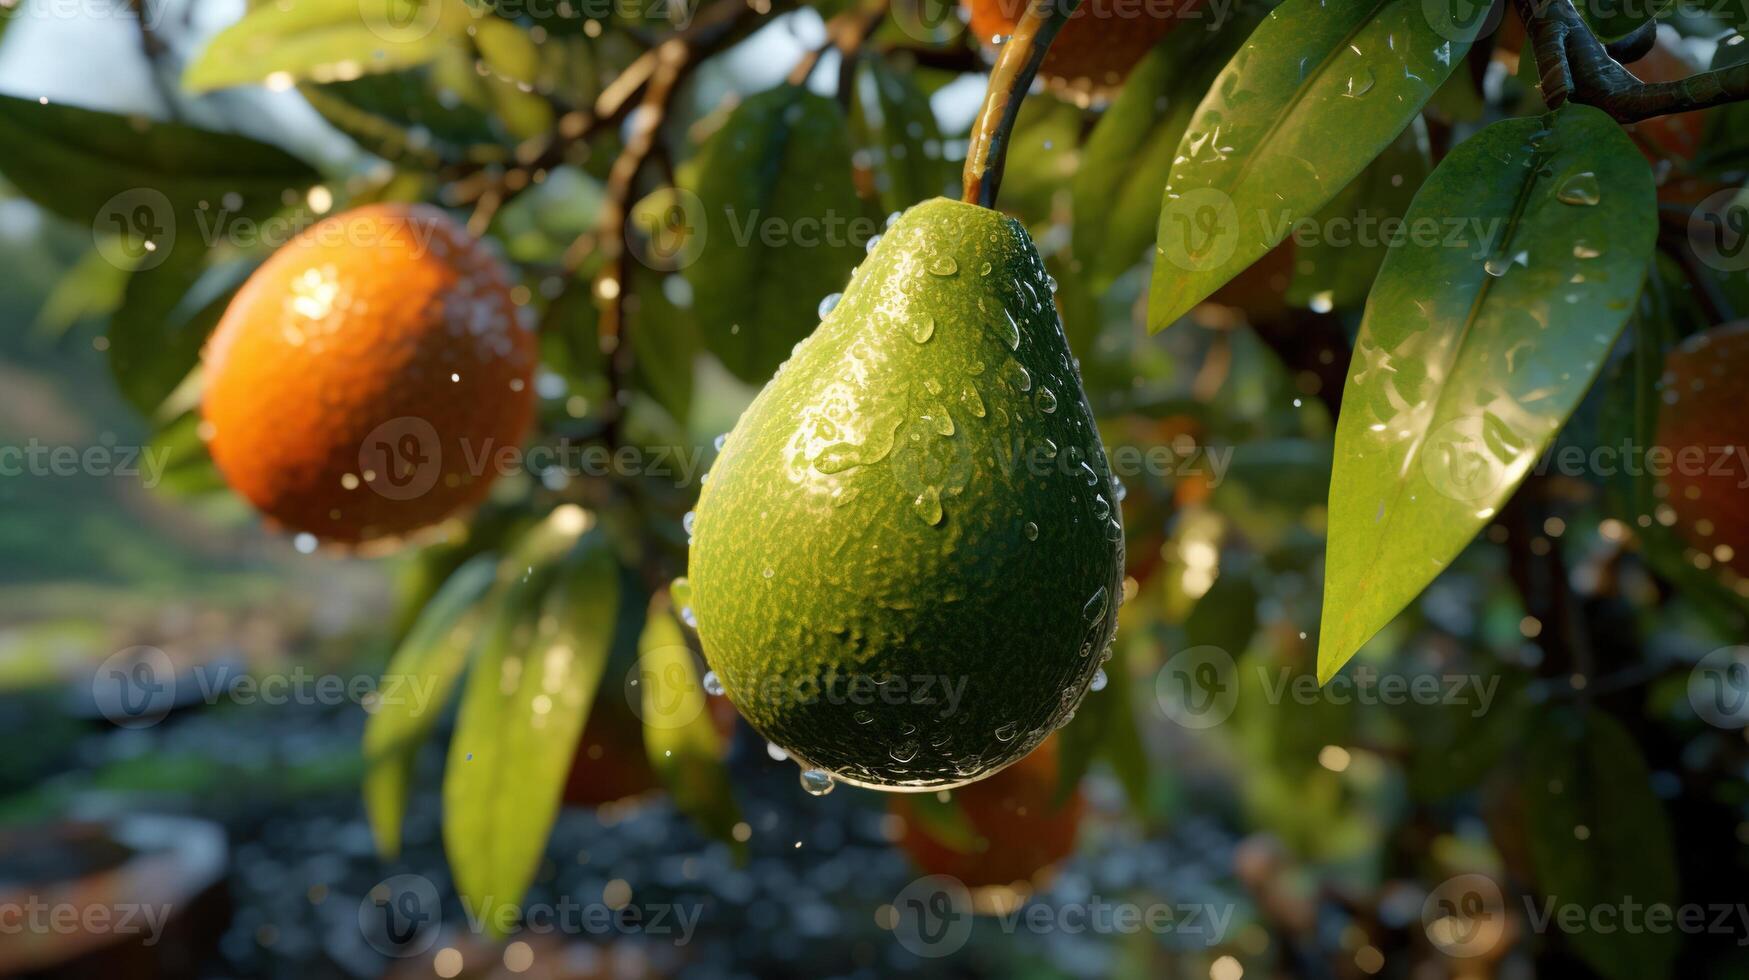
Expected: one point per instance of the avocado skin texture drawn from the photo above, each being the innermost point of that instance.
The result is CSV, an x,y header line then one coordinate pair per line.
x,y
904,568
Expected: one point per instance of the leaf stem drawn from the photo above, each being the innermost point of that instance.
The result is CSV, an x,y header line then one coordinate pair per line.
x,y
1015,68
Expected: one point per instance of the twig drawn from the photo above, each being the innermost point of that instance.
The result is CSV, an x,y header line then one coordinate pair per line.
x,y
1015,69
155,49
1575,66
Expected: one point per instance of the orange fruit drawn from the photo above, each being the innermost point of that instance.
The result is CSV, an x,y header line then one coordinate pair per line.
x,y
361,382
1099,45
1676,138
1702,425
1017,832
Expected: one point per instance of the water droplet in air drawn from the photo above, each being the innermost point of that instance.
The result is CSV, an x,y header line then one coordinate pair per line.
x,y
817,782
1581,189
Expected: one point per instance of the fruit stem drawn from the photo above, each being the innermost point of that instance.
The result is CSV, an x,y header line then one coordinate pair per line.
x,y
1015,68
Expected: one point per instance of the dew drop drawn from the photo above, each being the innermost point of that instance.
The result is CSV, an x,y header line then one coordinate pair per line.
x,y
713,685
1584,251
777,754
984,270
817,782
1031,530
905,751
943,265
870,246
923,329
1094,610
1101,507
1497,265
1359,83
827,304
863,717
1099,680
689,617
1007,732
1580,189
969,398
1051,284
720,441
687,522
1047,400
1016,376
928,506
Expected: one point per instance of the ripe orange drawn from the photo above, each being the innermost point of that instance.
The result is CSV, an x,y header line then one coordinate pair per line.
x,y
1018,834
1099,45
363,378
1703,427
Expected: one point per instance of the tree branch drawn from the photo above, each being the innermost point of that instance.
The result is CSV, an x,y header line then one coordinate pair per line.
x,y
1575,66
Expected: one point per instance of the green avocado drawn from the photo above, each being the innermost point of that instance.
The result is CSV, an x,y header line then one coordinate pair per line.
x,y
907,560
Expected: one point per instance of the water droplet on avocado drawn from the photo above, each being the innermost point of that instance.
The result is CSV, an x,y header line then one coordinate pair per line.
x,y
1099,680
928,506
905,751
1031,531
828,303
1016,376
817,782
1094,610
943,265
1007,732
923,329
1047,400
713,685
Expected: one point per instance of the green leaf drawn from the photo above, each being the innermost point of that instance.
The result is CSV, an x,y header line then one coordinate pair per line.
x,y
99,169
891,117
522,713
684,747
780,213
665,345
1335,264
1124,165
165,315
1461,377
1318,91
326,40
1599,838
415,687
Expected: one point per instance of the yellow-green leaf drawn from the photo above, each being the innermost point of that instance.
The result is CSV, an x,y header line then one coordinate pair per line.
x,y
684,747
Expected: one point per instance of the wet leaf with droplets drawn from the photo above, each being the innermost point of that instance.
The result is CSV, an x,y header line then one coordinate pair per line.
x,y
1472,354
